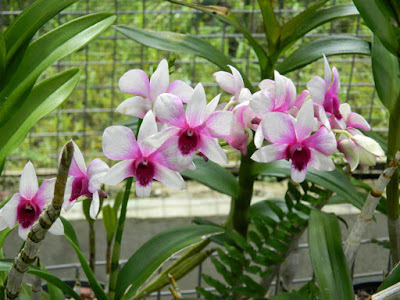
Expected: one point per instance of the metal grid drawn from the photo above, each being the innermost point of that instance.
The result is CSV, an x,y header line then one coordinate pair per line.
x,y
90,108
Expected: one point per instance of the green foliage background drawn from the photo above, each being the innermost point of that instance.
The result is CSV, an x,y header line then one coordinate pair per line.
x,y
90,109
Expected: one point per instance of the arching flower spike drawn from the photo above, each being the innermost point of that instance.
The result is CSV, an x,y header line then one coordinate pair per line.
x,y
26,206
292,140
139,159
137,82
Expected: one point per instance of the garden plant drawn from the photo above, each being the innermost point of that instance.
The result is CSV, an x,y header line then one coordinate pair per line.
x,y
310,136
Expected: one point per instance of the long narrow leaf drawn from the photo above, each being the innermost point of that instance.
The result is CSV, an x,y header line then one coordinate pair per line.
x,y
271,26
381,19
301,24
44,98
170,41
70,235
44,51
5,266
386,70
225,15
3,53
335,181
332,45
145,261
31,20
214,176
327,257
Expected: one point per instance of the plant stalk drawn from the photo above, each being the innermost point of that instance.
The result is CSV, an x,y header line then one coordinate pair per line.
x,y
392,191
39,229
92,246
354,239
118,239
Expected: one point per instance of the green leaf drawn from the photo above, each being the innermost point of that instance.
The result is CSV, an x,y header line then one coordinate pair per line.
x,y
109,220
3,52
386,70
44,51
44,98
271,26
289,296
214,176
145,261
225,15
391,279
31,20
5,266
332,45
263,209
70,235
312,18
176,42
381,19
327,257
335,181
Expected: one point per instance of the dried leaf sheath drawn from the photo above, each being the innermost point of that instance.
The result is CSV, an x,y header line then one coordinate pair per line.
x,y
353,240
40,228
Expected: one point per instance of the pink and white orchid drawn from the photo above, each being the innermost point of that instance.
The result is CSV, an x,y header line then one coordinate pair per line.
x,y
26,206
139,159
137,82
196,128
325,91
292,140
233,84
86,181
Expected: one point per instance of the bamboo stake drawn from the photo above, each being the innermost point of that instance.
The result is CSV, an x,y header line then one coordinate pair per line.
x,y
353,240
39,229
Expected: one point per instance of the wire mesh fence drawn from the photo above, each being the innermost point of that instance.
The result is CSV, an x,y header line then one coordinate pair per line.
x,y
90,109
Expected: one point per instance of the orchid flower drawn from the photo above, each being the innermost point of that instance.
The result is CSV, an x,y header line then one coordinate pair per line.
x,y
85,181
26,206
292,140
137,82
196,128
139,159
325,91
233,84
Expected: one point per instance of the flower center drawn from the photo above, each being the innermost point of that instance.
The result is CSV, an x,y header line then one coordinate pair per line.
x,y
144,171
188,141
332,104
299,154
27,213
80,188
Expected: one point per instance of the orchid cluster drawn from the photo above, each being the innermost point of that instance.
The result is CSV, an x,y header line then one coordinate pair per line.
x,y
178,123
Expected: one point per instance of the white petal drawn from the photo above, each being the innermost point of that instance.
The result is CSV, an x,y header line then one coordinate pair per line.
x,y
280,88
119,143
262,102
119,172
196,107
211,149
57,228
135,82
143,191
350,151
297,175
270,153
23,232
136,106
238,80
267,85
28,184
226,81
8,213
170,178
96,171
258,137
278,128
219,123
180,89
148,127
169,110
366,157
345,110
369,144
159,138
45,192
305,120
316,87
67,194
94,206
159,81
211,106
320,161
78,166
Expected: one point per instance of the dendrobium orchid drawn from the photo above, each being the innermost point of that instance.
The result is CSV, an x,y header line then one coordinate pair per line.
x,y
196,128
86,181
137,82
233,84
325,91
139,159
293,140
26,206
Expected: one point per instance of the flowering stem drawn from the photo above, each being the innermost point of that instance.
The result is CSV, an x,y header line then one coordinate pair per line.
x,y
39,229
348,134
238,215
118,238
392,191
354,239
